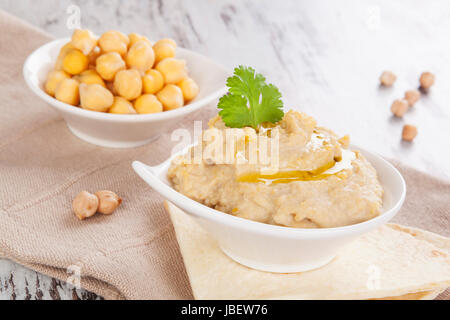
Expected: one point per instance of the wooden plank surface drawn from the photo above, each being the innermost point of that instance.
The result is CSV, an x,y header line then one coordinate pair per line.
x,y
325,56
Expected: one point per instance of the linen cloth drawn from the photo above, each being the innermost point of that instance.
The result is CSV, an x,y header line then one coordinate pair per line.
x,y
133,253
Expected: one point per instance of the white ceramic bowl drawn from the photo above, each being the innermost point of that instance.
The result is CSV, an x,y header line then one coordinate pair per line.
x,y
116,130
275,248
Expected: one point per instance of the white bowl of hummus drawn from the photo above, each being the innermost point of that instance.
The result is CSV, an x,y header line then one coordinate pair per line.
x,y
323,194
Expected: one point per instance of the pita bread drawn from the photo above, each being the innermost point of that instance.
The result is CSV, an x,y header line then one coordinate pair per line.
x,y
425,295
391,262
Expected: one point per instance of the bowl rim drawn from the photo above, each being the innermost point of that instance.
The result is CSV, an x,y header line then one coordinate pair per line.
x,y
151,175
124,118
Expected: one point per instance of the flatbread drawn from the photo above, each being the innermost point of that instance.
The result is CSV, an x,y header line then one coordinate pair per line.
x,y
391,262
424,295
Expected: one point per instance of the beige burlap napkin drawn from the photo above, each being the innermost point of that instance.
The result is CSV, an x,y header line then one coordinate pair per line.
x,y
133,253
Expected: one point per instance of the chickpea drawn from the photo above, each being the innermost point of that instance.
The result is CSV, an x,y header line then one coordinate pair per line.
x,y
128,84
53,79
108,201
108,64
399,107
426,80
95,97
412,96
113,41
387,78
189,88
152,81
62,53
68,91
135,37
140,56
84,41
85,205
173,70
147,103
121,106
90,77
171,97
164,49
409,132
168,41
75,62
122,37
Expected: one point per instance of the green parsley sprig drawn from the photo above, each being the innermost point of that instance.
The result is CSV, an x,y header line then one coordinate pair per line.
x,y
250,101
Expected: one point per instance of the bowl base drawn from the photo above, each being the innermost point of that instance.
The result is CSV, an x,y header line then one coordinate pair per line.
x,y
280,268
110,143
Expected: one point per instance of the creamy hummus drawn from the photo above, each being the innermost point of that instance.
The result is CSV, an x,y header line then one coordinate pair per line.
x,y
319,182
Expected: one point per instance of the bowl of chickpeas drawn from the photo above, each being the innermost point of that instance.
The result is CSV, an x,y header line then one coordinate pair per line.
x,y
121,90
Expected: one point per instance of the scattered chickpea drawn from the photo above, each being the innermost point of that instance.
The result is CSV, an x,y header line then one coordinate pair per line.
x,y
189,89
147,103
95,97
128,84
108,201
164,48
140,56
90,77
152,81
399,107
108,64
426,80
68,91
75,62
412,96
121,106
85,205
114,41
409,132
171,97
84,41
135,37
172,69
387,78
53,79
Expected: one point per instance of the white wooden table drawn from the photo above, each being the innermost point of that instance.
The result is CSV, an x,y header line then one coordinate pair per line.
x,y
325,56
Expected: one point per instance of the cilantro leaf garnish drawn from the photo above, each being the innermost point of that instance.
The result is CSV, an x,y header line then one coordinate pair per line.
x,y
250,101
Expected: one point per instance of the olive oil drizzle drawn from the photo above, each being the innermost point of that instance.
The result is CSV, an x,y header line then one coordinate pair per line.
x,y
288,176
320,173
